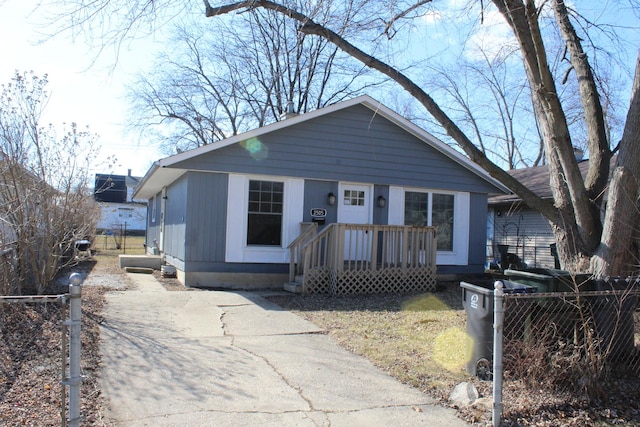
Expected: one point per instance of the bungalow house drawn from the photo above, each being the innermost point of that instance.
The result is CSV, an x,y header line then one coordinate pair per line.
x,y
342,198
520,231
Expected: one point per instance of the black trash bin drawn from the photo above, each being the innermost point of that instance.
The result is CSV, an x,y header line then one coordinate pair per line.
x,y
478,302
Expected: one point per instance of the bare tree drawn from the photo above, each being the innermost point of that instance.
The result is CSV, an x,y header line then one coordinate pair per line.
x,y
245,75
575,211
488,105
585,242
44,203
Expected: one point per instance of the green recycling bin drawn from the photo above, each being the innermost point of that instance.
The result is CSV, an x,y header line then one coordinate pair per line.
x,y
551,280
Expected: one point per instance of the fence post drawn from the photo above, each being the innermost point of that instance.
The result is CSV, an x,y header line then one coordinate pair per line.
x,y
498,325
75,378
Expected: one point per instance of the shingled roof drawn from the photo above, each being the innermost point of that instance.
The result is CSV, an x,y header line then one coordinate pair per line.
x,y
536,179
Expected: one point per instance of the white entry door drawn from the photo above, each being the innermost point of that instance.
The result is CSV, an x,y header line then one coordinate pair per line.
x,y
354,207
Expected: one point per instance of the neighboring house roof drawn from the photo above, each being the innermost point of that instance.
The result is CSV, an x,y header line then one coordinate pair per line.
x,y
536,179
165,171
114,188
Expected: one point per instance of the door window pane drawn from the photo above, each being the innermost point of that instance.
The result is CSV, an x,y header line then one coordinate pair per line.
x,y
264,225
353,198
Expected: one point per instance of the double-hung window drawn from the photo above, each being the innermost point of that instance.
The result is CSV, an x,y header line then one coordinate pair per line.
x,y
431,209
264,225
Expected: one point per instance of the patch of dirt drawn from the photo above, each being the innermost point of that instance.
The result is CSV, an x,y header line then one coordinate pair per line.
x,y
31,354
171,283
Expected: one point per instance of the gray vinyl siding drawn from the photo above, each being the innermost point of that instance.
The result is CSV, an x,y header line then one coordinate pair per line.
x,y
316,195
380,215
174,221
527,233
206,217
354,145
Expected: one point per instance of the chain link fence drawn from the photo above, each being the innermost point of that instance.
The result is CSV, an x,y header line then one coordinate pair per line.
x,y
579,343
39,348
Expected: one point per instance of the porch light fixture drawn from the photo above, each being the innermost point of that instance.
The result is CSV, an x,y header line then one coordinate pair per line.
x,y
331,199
382,202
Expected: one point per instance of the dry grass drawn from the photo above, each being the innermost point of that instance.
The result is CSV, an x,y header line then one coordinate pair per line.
x,y
419,339
30,352
107,246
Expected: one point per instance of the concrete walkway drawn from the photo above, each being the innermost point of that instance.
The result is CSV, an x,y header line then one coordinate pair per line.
x,y
208,358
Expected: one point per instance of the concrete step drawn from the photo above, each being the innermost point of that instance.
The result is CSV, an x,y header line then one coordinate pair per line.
x,y
145,261
293,287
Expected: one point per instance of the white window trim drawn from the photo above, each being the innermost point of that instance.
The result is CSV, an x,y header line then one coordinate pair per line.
x,y
461,216
237,249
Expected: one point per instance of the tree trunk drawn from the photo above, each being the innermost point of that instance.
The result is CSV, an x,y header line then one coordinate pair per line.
x,y
617,255
567,186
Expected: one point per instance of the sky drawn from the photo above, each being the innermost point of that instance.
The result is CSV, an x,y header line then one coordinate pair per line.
x,y
81,91
92,93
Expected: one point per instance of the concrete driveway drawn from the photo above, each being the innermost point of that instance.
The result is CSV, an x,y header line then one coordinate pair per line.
x,y
209,358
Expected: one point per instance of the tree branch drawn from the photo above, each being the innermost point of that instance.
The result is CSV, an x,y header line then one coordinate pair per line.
x,y
308,26
402,14
599,152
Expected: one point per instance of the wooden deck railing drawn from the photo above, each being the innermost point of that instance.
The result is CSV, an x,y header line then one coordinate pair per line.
x,y
358,258
309,230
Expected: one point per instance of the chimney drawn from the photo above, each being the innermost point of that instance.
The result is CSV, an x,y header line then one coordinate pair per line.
x,y
128,172
289,112
579,153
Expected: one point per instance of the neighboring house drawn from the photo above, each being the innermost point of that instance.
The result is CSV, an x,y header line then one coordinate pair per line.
x,y
229,214
520,230
118,210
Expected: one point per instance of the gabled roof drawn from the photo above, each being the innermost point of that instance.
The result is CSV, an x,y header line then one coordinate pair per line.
x,y
163,172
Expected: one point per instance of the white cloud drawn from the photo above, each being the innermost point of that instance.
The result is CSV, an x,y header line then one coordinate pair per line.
x,y
491,37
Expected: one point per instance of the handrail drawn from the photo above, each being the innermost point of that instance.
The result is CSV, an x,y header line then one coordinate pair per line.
x,y
296,247
328,229
303,236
